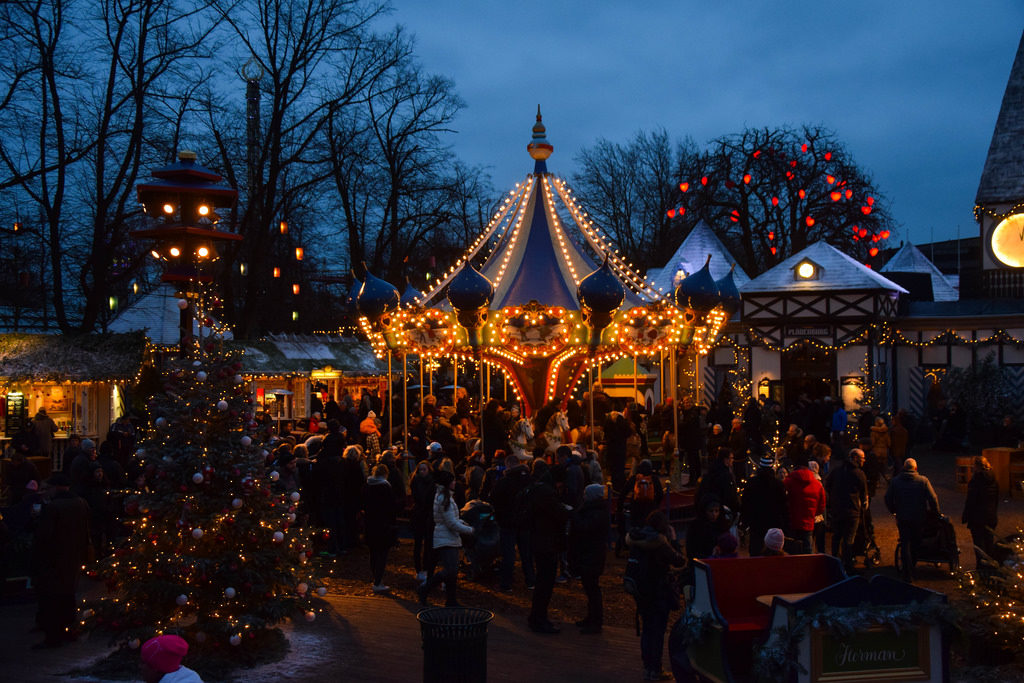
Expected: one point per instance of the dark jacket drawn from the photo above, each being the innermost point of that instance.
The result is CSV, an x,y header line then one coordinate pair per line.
x,y
638,510
379,506
327,477
719,482
982,501
662,556
589,527
910,497
846,489
504,495
546,517
763,505
62,544
702,534
422,491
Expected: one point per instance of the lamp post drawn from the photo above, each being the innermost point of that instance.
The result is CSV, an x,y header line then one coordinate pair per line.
x,y
182,198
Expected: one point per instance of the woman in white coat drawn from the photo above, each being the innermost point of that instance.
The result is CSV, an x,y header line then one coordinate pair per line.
x,y
448,532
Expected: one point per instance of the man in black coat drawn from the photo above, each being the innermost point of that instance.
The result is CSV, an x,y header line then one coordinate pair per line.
x,y
981,505
617,430
719,482
588,544
763,505
516,478
546,517
846,490
61,546
911,498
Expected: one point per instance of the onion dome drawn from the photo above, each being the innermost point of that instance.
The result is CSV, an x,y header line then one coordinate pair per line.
x,y
469,290
728,292
411,295
698,291
353,293
376,297
601,291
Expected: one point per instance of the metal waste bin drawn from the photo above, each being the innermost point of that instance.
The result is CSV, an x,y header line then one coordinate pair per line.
x,y
454,644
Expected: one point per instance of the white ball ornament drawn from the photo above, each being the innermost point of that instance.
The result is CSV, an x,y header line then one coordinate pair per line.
x,y
222,405
236,503
275,475
246,441
86,614
291,516
264,454
302,588
321,591
295,496
183,304
161,422
310,616
181,599
197,533
239,379
201,376
196,363
278,536
197,478
235,640
230,592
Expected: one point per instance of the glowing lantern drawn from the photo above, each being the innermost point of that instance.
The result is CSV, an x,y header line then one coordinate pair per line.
x,y
830,179
865,210
284,227
789,175
802,194
775,201
298,253
803,148
771,234
671,213
793,163
885,234
828,156
810,221
746,179
773,251
704,180
849,194
757,153
874,238
867,265
836,196
682,210
277,272
871,201
856,230
683,187
295,288
863,232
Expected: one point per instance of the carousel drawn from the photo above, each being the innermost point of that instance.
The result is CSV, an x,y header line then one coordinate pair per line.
x,y
542,297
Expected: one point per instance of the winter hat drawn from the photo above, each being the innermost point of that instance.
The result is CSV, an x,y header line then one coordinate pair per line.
x,y
88,444
766,461
164,653
434,447
593,492
774,539
371,414
727,543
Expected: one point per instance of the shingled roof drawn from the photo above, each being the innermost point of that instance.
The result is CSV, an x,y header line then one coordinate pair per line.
x,y
157,314
691,256
838,272
64,358
1002,179
909,259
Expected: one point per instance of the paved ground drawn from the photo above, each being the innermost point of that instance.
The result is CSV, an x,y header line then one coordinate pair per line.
x,y
364,638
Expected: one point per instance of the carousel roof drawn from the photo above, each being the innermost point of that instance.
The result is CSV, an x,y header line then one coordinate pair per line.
x,y
542,244
909,259
837,271
690,257
157,314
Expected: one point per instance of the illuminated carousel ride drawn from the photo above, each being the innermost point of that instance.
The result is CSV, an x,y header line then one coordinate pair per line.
x,y
542,297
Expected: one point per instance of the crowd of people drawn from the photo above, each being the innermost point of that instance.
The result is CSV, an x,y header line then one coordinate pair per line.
x,y
577,481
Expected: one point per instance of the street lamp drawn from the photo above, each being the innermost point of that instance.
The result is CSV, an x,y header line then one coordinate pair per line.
x,y
183,198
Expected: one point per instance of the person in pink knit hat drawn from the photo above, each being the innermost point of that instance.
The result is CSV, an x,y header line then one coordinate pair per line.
x,y
161,661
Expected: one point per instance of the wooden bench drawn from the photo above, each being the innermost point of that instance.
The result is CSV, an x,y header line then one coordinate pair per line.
x,y
728,589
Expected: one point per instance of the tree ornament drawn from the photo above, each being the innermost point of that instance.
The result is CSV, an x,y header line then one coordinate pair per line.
x,y
239,379
278,536
182,600
161,422
197,478
222,405
275,475
321,591
246,441
295,496
310,616
133,643
235,640
197,533
302,588
291,516
236,503
183,304
230,592
197,363
201,376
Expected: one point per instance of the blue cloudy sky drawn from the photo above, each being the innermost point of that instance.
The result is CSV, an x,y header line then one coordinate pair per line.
x,y
913,87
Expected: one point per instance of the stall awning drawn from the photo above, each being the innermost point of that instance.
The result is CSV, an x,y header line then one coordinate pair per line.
x,y
299,355
66,358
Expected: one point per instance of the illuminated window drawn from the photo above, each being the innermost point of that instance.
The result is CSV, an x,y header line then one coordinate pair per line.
x,y
807,270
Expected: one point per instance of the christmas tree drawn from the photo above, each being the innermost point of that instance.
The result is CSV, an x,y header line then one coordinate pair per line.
x,y
212,553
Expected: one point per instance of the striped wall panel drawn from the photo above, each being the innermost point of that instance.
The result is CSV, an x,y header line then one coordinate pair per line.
x,y
917,391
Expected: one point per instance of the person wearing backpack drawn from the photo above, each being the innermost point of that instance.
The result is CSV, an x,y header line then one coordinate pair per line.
x,y
644,493
589,527
653,551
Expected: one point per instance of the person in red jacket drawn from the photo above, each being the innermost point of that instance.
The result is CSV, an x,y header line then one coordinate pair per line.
x,y
806,497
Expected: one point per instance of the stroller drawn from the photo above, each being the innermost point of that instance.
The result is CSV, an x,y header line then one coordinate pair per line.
x,y
864,544
480,551
938,545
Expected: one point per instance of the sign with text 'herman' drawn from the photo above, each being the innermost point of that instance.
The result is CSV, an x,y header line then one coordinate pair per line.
x,y
880,653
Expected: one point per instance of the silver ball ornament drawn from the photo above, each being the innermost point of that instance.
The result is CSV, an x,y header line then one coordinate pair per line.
x,y
222,405
183,304
197,533
201,376
278,536
246,441
235,640
197,478
321,591
302,588
295,496
310,616
236,503
181,599
229,592
275,475
161,422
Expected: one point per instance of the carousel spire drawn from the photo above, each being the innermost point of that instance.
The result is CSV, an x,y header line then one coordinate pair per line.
x,y
539,148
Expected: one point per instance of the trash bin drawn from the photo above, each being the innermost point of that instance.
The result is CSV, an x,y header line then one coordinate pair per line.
x,y
454,644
